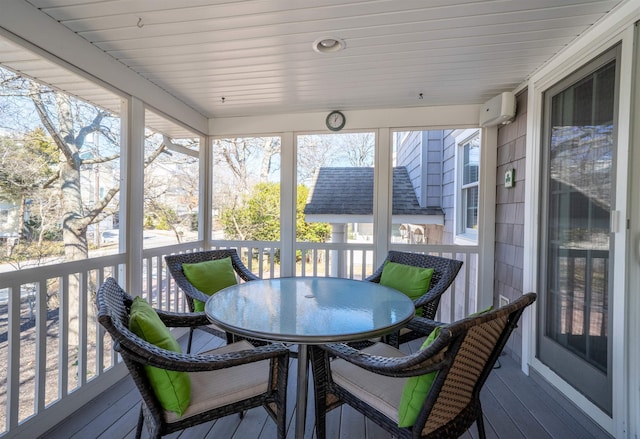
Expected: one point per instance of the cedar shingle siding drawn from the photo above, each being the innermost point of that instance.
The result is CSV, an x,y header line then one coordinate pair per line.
x,y
509,250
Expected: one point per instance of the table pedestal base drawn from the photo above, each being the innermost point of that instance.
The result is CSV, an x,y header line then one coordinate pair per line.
x,y
302,390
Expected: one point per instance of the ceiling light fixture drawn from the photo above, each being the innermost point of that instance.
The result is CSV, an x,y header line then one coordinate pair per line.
x,y
329,45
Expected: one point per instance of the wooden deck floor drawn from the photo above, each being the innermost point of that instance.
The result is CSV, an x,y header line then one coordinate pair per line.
x,y
515,406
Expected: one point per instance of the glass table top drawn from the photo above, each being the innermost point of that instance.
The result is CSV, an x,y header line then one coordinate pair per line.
x,y
309,309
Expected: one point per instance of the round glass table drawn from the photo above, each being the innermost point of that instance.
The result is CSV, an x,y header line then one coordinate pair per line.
x,y
309,310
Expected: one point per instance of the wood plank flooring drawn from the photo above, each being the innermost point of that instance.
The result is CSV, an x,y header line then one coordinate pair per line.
x,y
515,406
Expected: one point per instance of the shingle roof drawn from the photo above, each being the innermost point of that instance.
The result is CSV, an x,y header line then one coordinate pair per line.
x,y
349,191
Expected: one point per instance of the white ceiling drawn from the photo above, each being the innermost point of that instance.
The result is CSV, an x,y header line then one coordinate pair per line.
x,y
258,55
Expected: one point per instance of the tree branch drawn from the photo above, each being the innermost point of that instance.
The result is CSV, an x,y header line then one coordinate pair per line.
x,y
36,97
99,208
97,160
91,128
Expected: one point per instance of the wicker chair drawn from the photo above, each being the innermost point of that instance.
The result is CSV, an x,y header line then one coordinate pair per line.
x,y
444,272
174,264
263,371
372,380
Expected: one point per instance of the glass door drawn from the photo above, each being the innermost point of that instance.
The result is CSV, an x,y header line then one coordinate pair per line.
x,y
577,255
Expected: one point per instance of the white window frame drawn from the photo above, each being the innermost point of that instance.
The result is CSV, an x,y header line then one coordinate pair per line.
x,y
464,235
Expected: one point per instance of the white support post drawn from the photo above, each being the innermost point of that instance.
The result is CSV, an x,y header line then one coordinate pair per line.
x,y
383,190
205,220
288,184
338,267
132,191
487,217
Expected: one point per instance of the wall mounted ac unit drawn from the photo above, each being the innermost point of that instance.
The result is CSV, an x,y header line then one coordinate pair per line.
x,y
497,110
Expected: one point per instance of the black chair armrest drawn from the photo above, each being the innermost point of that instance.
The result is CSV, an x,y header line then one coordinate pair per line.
x,y
182,320
147,353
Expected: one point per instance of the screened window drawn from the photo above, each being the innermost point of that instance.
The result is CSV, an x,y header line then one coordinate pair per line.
x,y
171,183
418,181
335,203
246,189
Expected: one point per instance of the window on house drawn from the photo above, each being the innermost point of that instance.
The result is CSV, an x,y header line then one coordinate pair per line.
x,y
469,159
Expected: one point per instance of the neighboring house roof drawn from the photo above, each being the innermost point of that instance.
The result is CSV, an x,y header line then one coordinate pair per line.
x,y
349,191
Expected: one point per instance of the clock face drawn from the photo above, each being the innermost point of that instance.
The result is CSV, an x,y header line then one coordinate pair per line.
x,y
335,121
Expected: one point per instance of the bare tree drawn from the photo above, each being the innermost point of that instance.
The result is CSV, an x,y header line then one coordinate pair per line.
x,y
348,149
69,123
314,152
360,149
236,169
171,186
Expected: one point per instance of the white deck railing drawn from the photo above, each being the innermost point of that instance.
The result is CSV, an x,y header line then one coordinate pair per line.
x,y
58,357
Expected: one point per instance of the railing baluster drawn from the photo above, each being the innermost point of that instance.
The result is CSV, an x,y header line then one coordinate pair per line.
x,y
41,346
63,337
272,265
100,277
81,367
13,361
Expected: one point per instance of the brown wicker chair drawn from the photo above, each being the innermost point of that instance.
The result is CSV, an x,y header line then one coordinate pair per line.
x,y
371,380
265,368
174,264
444,272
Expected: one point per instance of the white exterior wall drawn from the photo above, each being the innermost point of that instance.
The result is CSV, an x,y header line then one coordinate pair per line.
x,y
9,225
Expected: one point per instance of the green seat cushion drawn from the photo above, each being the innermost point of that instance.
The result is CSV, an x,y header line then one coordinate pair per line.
x,y
416,388
210,277
410,280
172,388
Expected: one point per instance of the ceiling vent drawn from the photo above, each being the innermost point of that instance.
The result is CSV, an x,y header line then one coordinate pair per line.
x,y
497,110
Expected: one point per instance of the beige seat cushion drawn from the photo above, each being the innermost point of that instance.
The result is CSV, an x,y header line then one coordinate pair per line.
x,y
220,387
379,391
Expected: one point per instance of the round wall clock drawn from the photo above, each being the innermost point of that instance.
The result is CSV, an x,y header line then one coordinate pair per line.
x,y
336,121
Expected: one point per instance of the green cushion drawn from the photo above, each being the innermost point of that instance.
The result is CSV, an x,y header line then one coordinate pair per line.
x,y
415,390
210,277
412,281
172,388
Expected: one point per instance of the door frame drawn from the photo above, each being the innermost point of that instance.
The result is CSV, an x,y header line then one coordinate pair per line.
x,y
558,356
617,28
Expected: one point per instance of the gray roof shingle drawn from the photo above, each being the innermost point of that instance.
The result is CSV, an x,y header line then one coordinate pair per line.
x,y
349,191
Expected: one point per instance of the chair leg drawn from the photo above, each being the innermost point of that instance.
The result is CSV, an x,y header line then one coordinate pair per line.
x,y
190,339
480,425
321,425
140,422
393,340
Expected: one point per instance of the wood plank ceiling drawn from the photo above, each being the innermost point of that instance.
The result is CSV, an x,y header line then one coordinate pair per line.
x,y
257,54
